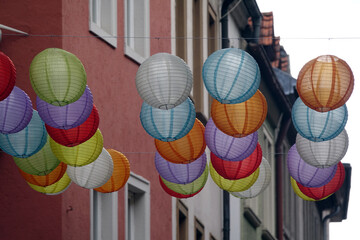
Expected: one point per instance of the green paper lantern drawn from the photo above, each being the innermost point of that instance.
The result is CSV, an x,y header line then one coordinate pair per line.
x,y
53,189
57,76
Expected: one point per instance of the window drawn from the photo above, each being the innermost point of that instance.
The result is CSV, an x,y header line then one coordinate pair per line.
x,y
182,221
104,215
137,29
137,205
103,19
199,230
180,29
212,40
212,237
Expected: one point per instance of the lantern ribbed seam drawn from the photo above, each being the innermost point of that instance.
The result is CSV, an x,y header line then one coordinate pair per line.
x,y
172,124
48,79
250,88
154,125
176,153
68,78
216,72
325,125
236,76
308,121
6,110
333,83
246,119
26,107
228,119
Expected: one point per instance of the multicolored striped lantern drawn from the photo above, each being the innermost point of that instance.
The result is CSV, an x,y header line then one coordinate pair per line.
x,y
231,75
227,147
242,119
57,76
54,189
186,149
15,112
325,83
175,194
7,76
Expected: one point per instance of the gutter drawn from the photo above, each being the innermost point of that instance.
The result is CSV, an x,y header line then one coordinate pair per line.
x,y
325,222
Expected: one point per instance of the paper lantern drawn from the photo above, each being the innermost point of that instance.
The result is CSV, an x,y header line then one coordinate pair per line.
x,y
95,174
45,180
227,147
168,125
68,116
325,83
7,76
318,126
323,154
180,173
28,141
307,174
57,76
260,184
15,112
164,81
41,163
231,75
331,187
234,170
81,154
175,194
54,189
242,119
186,149
239,185
120,175
74,136
298,192
190,188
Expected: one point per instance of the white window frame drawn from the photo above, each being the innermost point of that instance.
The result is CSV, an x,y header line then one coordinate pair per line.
x,y
95,28
129,27
138,185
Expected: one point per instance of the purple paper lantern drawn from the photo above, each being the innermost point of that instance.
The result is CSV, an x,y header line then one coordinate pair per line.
x,y
68,116
15,112
306,174
227,147
180,173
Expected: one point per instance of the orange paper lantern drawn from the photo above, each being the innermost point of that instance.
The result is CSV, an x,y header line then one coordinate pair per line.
x,y
241,119
186,149
325,83
120,173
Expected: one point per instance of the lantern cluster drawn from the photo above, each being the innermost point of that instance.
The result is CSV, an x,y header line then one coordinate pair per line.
x,y
319,115
232,78
59,143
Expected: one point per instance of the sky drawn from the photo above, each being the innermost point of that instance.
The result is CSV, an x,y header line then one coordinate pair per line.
x,y
308,29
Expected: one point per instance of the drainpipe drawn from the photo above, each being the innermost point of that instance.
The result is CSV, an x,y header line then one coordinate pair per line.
x,y
325,224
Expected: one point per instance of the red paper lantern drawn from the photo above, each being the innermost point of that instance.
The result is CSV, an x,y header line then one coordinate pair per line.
x,y
7,76
329,188
74,136
234,170
175,194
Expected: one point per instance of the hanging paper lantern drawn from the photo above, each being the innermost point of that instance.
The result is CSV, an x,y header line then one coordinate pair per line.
x,y
239,185
168,125
175,194
307,174
331,187
164,81
45,180
260,184
81,154
68,116
318,126
231,75
41,163
57,76
54,189
15,112
190,188
298,192
74,136
180,173
227,147
234,170
120,174
186,149
325,83
323,154
242,119
28,141
95,174
7,76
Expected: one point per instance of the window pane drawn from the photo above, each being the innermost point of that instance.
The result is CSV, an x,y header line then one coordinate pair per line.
x,y
139,26
94,11
106,16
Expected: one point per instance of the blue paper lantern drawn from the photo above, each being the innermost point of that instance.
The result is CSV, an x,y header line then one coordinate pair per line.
x,y
231,75
318,126
168,125
28,141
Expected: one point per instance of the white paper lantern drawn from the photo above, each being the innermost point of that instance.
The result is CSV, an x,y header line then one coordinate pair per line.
x,y
94,174
323,154
164,81
261,183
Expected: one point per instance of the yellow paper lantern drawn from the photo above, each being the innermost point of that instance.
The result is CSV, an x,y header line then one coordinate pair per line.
x,y
298,191
54,189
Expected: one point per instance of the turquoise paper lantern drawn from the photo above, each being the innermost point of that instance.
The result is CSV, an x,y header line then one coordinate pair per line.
x,y
231,75
168,125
